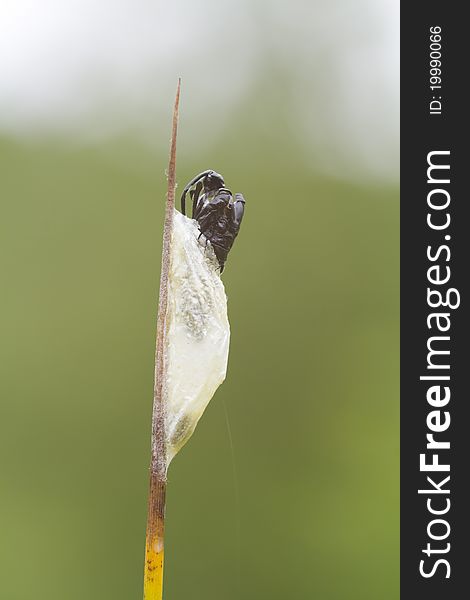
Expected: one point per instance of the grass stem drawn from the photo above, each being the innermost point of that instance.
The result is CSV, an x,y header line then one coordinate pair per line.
x,y
154,546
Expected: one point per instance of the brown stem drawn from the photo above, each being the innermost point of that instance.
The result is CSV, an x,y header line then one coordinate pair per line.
x,y
154,551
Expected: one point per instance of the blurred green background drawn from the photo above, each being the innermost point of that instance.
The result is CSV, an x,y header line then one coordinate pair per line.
x,y
306,503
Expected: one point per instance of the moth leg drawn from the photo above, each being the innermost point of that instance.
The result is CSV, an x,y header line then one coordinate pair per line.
x,y
205,239
190,185
195,197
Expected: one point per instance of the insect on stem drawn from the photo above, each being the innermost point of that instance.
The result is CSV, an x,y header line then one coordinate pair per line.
x,y
154,546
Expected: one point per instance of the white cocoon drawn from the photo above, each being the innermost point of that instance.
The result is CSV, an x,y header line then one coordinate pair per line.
x,y
198,332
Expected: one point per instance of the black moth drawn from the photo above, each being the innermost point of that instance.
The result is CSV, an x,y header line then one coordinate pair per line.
x,y
217,213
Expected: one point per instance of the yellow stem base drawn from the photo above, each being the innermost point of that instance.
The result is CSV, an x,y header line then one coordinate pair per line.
x,y
153,573
154,549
